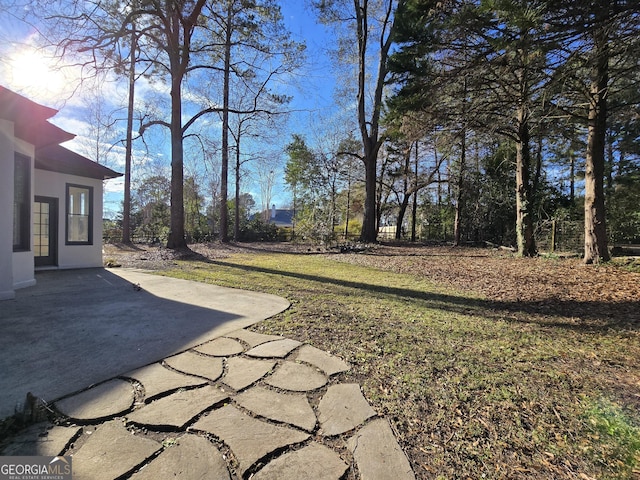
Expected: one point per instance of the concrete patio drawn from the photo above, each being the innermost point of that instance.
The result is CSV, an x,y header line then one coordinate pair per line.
x,y
79,327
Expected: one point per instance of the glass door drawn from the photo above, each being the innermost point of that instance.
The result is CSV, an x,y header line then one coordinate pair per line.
x,y
45,232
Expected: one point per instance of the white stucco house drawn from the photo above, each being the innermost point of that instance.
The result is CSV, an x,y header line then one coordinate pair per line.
x,y
50,197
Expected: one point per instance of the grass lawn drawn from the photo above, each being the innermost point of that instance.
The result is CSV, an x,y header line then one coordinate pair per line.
x,y
474,388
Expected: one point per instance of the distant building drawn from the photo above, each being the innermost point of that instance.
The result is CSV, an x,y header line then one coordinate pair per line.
x,y
280,217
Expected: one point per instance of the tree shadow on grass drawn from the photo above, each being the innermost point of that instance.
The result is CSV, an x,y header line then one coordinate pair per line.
x,y
127,247
583,316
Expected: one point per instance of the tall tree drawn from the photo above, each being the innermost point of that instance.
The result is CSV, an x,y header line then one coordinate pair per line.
x,y
126,206
370,25
512,57
301,173
173,33
182,39
256,50
499,49
595,230
240,131
228,28
299,157
252,128
234,23
599,45
167,32
316,176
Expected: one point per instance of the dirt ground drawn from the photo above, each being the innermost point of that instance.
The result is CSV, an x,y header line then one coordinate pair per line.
x,y
563,285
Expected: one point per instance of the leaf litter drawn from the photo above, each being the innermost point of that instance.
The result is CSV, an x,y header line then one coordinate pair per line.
x,y
501,379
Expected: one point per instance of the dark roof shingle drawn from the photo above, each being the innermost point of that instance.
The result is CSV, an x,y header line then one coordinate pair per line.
x,y
56,158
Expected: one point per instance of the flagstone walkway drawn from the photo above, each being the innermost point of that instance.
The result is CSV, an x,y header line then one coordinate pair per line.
x,y
246,405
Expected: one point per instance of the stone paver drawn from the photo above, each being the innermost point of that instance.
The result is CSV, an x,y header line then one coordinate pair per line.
x,y
157,380
377,453
293,409
275,349
111,451
42,439
313,461
242,372
326,362
221,347
191,458
102,401
296,377
177,409
343,408
252,338
266,422
194,364
249,439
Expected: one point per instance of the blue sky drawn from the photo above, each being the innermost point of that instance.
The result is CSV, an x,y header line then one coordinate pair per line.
x,y
29,75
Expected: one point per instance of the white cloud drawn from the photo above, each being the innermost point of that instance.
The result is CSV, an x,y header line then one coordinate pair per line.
x,y
114,185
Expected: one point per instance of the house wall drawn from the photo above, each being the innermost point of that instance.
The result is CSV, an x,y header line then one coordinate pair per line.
x,y
52,184
6,214
23,273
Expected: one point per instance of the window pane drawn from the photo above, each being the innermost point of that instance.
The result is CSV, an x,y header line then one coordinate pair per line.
x,y
78,231
79,214
21,202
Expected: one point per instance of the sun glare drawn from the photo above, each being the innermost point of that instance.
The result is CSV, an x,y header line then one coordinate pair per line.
x,y
36,73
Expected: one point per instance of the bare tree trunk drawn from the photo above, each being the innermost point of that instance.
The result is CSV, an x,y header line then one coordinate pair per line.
x,y
346,220
379,194
369,230
176,235
224,173
538,172
414,211
369,127
524,220
572,175
332,221
595,231
266,180
178,30
236,221
126,206
401,213
460,189
178,64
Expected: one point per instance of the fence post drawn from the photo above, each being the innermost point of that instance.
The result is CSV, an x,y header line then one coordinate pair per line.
x,y
553,235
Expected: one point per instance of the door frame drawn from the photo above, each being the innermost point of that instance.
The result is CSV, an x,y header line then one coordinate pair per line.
x,y
52,258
